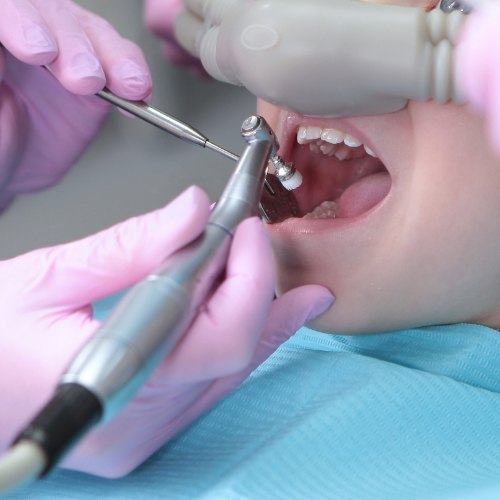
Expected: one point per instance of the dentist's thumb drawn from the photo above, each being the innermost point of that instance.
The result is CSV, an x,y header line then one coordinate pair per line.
x,y
290,312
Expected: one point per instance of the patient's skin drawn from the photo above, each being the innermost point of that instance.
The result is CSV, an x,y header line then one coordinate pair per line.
x,y
429,252
425,253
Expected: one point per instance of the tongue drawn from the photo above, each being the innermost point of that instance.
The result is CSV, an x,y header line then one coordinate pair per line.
x,y
363,195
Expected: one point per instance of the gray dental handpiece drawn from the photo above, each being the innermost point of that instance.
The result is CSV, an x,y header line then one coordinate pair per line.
x,y
277,202
153,316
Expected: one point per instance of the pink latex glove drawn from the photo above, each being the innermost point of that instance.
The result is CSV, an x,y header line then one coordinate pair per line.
x,y
45,299
478,65
45,124
159,16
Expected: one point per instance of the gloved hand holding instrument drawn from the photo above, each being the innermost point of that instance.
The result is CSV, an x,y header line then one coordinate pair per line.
x,y
47,121
170,339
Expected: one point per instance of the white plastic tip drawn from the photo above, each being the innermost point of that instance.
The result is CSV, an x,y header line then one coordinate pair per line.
x,y
292,182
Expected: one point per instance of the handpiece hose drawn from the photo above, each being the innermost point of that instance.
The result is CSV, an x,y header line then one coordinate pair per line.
x,y
153,316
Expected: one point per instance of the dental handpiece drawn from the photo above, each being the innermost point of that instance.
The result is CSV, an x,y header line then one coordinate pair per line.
x,y
153,316
278,202
286,173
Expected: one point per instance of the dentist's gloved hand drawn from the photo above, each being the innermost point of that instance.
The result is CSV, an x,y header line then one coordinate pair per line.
x,y
45,299
478,66
159,16
47,121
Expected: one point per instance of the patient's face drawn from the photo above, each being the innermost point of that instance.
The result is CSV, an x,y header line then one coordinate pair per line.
x,y
416,236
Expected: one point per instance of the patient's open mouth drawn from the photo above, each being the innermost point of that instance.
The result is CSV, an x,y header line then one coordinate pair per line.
x,y
343,177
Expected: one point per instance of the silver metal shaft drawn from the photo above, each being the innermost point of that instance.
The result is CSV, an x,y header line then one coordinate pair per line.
x,y
222,151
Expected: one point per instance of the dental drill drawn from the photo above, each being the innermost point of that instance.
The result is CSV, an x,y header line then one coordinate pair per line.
x,y
286,173
144,327
277,203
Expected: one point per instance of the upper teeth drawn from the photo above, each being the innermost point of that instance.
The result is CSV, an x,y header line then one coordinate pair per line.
x,y
325,140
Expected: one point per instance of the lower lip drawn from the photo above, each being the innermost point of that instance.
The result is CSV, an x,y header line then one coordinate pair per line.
x,y
315,226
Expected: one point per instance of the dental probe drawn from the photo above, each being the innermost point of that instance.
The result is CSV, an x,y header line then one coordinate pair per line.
x,y
146,324
164,121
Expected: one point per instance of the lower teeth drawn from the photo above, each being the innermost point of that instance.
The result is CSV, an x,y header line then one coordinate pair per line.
x,y
325,210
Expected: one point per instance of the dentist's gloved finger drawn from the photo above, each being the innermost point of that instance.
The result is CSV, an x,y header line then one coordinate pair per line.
x,y
494,113
196,7
90,269
13,138
13,124
160,15
174,53
187,30
223,337
77,65
477,72
25,34
126,70
491,37
472,60
288,314
3,63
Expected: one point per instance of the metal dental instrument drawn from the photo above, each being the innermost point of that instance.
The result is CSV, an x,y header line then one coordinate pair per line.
x,y
277,204
164,122
152,317
451,5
